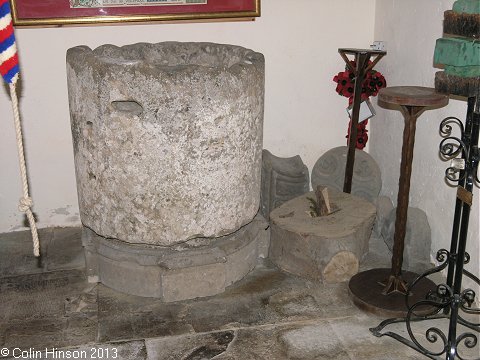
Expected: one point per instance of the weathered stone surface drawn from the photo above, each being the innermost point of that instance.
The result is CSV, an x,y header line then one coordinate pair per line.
x,y
167,139
329,170
16,256
250,321
65,250
313,342
465,25
319,247
282,179
53,309
384,207
416,256
190,347
128,350
197,268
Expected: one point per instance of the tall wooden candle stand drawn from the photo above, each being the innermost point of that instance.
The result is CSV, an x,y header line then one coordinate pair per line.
x,y
381,290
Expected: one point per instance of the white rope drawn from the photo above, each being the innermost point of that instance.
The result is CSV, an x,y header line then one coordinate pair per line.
x,y
26,201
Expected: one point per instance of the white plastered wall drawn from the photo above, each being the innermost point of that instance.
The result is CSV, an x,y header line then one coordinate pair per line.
x,y
303,114
410,28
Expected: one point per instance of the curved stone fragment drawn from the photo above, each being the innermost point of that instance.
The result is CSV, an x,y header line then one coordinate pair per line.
x,y
329,170
282,179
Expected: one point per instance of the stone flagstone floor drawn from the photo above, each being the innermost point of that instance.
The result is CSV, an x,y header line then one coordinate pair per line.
x,y
269,315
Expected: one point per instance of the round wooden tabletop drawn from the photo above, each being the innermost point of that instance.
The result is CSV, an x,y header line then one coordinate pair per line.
x,y
412,96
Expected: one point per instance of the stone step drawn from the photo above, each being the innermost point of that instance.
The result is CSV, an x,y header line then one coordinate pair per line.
x,y
462,24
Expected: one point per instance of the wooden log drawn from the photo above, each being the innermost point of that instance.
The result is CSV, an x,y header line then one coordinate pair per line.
x,y
462,24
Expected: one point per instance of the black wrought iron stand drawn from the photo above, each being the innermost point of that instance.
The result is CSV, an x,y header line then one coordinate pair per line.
x,y
449,301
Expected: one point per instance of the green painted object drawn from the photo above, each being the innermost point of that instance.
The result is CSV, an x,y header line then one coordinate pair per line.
x,y
461,57
463,71
467,6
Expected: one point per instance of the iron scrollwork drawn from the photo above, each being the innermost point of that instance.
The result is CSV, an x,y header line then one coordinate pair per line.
x,y
448,303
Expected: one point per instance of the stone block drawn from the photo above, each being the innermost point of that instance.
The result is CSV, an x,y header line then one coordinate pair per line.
x,y
329,170
317,341
416,255
282,179
196,268
193,282
167,139
326,248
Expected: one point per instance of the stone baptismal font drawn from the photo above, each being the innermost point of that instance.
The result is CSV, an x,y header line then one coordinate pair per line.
x,y
168,145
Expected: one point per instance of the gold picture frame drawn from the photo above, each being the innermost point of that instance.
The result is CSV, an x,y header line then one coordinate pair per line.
x,y
51,13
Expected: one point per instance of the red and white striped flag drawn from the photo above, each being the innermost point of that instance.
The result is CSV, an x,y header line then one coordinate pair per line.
x,y
8,48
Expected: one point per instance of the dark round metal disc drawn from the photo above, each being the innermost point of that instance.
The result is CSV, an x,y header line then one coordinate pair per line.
x,y
366,292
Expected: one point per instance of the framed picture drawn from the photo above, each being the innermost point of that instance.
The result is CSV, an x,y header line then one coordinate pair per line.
x,y
77,12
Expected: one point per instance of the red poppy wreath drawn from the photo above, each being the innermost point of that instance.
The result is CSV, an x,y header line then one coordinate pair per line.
x,y
373,82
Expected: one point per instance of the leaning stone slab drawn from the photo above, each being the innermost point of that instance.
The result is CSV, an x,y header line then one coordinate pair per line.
x,y
416,255
282,179
384,206
196,268
329,170
326,248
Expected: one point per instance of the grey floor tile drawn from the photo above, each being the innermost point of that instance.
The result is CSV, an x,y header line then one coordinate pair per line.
x,y
65,250
270,342
16,257
49,309
128,350
270,315
266,296
122,316
195,346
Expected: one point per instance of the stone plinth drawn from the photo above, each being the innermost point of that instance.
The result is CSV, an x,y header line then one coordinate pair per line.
x,y
199,267
167,139
326,248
